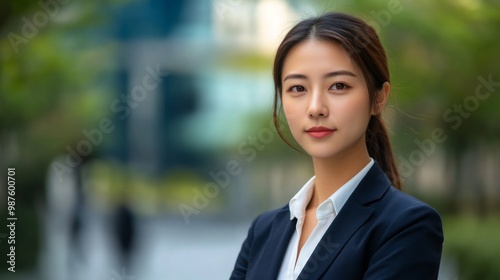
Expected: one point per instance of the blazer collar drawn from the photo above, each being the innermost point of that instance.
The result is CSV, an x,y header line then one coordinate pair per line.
x,y
372,187
350,218
281,233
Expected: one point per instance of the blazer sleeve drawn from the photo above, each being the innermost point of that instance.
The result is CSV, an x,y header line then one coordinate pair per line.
x,y
411,247
241,266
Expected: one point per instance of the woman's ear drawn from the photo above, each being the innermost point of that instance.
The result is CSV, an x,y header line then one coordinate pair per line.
x,y
381,97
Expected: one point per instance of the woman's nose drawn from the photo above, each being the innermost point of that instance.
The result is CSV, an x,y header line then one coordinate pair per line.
x,y
317,105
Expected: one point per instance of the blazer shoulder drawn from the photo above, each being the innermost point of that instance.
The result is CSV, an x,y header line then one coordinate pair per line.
x,y
399,208
404,201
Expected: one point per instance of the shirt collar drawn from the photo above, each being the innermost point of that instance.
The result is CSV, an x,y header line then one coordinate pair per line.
x,y
333,204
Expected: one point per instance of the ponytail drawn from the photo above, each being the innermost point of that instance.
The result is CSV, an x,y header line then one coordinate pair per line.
x,y
379,148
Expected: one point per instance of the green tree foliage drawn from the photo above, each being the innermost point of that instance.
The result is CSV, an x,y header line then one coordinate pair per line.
x,y
52,85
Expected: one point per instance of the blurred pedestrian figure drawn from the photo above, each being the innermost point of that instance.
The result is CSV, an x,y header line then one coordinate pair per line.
x,y
77,219
125,232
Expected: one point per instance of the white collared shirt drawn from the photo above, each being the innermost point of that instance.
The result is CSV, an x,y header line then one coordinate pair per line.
x,y
326,213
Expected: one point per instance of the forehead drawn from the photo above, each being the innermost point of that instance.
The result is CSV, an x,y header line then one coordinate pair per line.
x,y
314,56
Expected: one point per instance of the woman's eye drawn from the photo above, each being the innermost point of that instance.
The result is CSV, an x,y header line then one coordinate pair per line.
x,y
339,86
297,89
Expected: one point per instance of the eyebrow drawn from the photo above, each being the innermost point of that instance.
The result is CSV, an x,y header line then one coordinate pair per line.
x,y
327,75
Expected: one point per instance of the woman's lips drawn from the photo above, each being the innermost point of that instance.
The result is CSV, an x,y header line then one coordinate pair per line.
x,y
319,131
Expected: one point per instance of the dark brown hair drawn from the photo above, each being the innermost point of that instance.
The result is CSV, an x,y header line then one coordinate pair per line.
x,y
363,45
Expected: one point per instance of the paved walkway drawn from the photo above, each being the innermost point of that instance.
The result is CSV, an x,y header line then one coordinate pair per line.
x,y
166,250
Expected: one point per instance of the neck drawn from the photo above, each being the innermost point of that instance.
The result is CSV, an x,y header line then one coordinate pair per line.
x,y
333,173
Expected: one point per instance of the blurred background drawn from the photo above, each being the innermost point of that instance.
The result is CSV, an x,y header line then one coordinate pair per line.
x,y
140,130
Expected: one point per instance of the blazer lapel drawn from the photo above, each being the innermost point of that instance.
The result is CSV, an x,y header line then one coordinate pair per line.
x,y
273,254
350,218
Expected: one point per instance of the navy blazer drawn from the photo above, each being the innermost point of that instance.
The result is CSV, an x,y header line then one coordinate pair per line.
x,y
380,233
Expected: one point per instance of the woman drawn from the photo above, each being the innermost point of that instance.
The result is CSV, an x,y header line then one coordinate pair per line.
x,y
349,221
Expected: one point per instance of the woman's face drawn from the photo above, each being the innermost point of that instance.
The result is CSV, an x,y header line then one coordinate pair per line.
x,y
325,99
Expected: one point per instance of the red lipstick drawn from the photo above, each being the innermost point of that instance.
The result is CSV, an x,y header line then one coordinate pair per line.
x,y
319,131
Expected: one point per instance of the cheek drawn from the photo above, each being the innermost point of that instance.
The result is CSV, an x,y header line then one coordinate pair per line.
x,y
356,111
291,111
